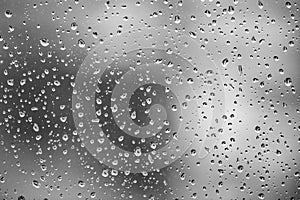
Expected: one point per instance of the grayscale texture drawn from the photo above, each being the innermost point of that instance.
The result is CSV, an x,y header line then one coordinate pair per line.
x,y
149,99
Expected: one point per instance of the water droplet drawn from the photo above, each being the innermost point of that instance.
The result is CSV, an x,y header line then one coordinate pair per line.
x,y
261,196
21,197
193,34
225,62
257,129
65,137
10,82
74,26
133,115
207,13
209,72
288,4
36,184
240,168
288,81
105,173
190,80
114,108
44,42
38,137
36,127
231,10
81,183
137,151
278,152
240,69
177,19
81,43
260,4
8,13
2,179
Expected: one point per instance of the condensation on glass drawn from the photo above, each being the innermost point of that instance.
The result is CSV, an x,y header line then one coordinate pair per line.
x,y
156,100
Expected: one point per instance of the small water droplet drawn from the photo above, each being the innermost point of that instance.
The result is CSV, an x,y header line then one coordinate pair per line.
x,y
36,184
288,81
225,62
261,196
260,4
81,43
240,69
177,19
36,127
105,173
21,197
8,13
74,26
138,151
81,183
231,10
133,115
44,42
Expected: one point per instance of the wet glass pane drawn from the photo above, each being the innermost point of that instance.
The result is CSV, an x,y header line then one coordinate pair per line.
x,y
149,99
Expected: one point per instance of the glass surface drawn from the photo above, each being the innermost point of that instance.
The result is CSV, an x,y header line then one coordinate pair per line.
x,y
149,99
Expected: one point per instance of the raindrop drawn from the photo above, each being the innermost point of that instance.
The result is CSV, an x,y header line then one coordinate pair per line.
x,y
193,34
261,196
10,82
38,137
190,80
105,173
257,129
81,183
177,19
65,137
240,168
81,43
278,152
44,42
8,13
207,13
288,81
231,10
240,69
225,62
288,4
74,26
36,184
133,115
137,151
21,198
209,72
260,4
36,127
